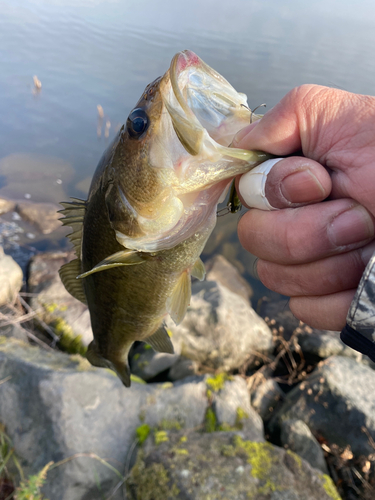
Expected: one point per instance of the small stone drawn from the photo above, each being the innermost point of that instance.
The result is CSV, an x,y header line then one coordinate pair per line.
x,y
182,368
297,437
266,397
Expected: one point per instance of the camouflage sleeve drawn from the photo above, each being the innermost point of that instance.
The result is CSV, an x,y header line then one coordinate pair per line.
x,y
359,332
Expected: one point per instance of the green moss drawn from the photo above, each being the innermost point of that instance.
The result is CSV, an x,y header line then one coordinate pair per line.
x,y
217,382
147,346
168,425
210,420
151,482
296,457
142,433
136,356
160,437
183,439
181,451
68,341
241,415
167,385
137,380
3,339
329,487
209,394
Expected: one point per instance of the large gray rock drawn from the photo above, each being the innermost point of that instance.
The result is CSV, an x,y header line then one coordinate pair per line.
x,y
223,465
65,314
10,278
337,402
219,269
220,329
58,407
296,436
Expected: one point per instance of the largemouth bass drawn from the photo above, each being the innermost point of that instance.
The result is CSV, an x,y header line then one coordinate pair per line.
x,y
151,208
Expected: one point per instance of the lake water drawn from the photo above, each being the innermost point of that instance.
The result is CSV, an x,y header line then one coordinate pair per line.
x,y
90,52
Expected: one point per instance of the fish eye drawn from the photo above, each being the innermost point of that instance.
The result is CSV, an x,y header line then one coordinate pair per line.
x,y
137,122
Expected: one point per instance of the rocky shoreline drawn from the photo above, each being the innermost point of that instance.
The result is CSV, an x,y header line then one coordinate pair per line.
x,y
253,404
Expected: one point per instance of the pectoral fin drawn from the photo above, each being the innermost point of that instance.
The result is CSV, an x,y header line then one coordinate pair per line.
x,y
122,258
178,301
68,273
198,270
160,341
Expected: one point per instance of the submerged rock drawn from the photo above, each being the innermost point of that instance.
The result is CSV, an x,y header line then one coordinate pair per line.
x,y
11,277
220,330
44,216
223,465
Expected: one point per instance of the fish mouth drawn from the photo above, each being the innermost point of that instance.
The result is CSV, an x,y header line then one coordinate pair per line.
x,y
203,100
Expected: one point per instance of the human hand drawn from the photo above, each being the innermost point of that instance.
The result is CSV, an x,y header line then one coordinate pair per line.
x,y
314,251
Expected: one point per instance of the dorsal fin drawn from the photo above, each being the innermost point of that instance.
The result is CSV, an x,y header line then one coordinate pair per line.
x,y
178,301
74,213
68,274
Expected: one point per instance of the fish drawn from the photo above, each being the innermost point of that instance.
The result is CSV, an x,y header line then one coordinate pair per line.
x,y
151,208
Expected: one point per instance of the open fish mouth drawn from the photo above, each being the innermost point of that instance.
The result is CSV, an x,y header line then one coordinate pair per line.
x,y
203,100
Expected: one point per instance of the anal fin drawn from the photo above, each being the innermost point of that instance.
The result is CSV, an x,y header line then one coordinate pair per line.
x,y
199,270
121,258
160,341
68,273
178,301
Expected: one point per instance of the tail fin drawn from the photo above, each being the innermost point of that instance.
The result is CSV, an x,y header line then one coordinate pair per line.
x,y
120,366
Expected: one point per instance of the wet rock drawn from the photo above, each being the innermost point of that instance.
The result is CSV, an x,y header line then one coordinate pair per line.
x,y
266,397
66,315
11,277
57,407
296,436
147,364
6,206
336,402
183,367
224,465
220,330
221,270
43,215
231,405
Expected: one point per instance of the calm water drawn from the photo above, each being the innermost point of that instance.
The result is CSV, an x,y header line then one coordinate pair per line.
x,y
94,52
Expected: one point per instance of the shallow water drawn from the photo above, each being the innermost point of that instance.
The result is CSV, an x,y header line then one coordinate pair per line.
x,y
90,52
